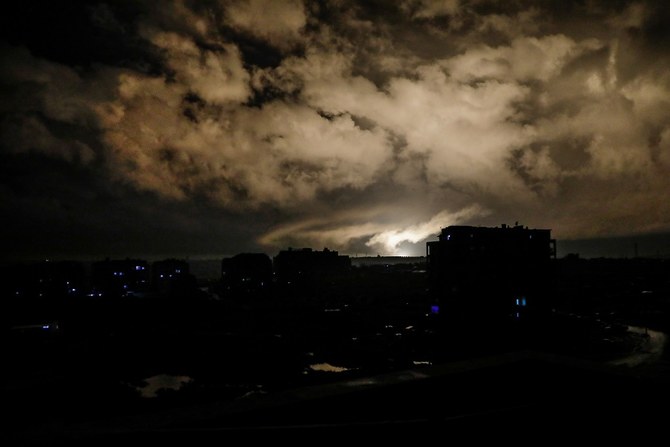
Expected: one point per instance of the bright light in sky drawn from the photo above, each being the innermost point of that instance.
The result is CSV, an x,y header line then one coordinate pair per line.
x,y
390,240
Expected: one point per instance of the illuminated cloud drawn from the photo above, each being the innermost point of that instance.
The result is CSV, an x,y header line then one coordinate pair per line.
x,y
423,9
378,230
278,22
389,241
217,76
356,126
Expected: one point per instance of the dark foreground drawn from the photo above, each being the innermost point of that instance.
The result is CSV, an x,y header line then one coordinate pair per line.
x,y
520,396
371,358
331,378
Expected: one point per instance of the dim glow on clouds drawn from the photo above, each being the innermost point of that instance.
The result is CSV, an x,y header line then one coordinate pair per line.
x,y
526,58
218,77
278,22
424,9
539,123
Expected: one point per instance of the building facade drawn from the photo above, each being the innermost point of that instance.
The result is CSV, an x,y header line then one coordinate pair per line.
x,y
495,271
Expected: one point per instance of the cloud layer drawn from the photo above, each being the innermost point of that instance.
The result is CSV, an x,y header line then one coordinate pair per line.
x,y
362,127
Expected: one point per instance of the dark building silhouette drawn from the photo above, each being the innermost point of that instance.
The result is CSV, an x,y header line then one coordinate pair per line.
x,y
387,261
46,279
303,267
125,277
36,294
246,273
480,271
172,277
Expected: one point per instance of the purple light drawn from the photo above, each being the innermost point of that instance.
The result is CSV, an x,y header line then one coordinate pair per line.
x,y
435,309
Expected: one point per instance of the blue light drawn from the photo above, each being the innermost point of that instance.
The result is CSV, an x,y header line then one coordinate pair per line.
x,y
435,309
523,301
45,326
517,301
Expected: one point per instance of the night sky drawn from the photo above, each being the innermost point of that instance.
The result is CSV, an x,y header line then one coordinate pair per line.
x,y
208,128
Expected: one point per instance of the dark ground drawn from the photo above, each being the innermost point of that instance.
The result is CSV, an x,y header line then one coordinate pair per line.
x,y
409,371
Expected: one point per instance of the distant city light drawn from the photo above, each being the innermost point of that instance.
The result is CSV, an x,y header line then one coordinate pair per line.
x,y
422,362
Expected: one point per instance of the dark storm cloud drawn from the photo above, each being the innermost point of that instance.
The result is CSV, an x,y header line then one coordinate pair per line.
x,y
356,125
